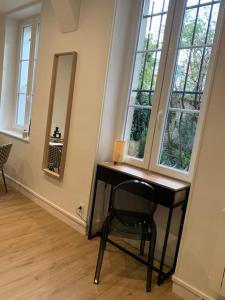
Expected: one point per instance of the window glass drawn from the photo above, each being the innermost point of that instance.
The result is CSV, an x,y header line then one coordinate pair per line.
x,y
21,109
26,72
191,67
24,68
26,42
24,63
145,74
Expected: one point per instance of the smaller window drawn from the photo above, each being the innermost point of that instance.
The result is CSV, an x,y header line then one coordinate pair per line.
x,y
27,61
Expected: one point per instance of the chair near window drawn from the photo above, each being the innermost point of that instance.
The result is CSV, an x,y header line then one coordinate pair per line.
x,y
131,216
4,154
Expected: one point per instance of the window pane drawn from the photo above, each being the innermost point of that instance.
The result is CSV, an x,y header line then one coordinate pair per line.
x,y
142,98
178,139
23,76
188,27
156,6
26,74
145,74
21,109
185,100
146,70
213,22
138,131
193,56
26,43
154,29
192,2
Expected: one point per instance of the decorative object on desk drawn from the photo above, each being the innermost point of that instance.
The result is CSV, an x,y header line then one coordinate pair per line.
x,y
60,106
57,133
131,216
118,151
4,154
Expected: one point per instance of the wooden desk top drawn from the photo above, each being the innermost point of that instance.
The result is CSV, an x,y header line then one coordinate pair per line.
x,y
158,179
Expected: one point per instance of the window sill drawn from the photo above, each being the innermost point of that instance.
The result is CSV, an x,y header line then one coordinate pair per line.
x,y
15,134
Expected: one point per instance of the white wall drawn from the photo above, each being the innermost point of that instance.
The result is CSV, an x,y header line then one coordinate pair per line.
x,y
8,92
126,18
91,42
202,255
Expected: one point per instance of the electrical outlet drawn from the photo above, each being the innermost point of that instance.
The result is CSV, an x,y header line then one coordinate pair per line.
x,y
80,209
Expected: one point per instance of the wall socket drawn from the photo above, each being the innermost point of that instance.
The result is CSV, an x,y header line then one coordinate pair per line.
x,y
80,209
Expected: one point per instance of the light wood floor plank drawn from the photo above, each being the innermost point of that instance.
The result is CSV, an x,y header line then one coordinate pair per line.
x,y
42,258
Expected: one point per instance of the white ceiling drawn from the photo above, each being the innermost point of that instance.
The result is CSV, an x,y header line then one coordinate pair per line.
x,y
9,5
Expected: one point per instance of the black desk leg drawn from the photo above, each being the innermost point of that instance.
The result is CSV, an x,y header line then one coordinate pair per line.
x,y
161,275
179,235
110,197
92,209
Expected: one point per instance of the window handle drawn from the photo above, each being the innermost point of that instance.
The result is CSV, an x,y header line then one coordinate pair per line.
x,y
28,98
159,120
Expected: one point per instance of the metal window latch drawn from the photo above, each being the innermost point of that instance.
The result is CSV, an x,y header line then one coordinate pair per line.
x,y
159,120
28,98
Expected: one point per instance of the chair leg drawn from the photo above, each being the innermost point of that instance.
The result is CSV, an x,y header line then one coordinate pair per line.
x,y
3,176
101,253
151,259
142,245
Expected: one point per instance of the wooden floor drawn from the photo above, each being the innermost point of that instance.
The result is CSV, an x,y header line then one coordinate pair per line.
x,y
42,258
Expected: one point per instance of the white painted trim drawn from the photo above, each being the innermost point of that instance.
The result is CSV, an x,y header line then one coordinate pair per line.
x,y
102,109
188,291
50,207
15,134
179,174
144,163
33,22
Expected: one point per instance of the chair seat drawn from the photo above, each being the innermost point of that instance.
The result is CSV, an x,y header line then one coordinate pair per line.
x,y
136,232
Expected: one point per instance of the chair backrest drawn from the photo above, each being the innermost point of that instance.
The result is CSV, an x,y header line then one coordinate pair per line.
x,y
4,154
133,202
54,156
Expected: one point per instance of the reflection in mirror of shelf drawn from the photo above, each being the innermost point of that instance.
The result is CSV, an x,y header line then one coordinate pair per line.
x,y
60,105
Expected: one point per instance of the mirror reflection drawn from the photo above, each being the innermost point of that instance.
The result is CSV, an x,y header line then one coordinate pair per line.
x,y
59,113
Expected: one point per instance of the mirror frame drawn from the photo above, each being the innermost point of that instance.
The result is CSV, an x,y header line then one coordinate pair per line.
x,y
68,114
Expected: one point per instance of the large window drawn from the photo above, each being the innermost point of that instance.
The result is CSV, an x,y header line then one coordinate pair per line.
x,y
27,61
168,86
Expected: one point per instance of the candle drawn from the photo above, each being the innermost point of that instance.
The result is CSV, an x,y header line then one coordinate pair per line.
x,y
118,151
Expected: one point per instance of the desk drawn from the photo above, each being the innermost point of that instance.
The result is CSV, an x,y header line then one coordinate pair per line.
x,y
170,193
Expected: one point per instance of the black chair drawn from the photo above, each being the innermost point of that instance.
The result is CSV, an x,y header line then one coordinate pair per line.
x,y
131,216
4,154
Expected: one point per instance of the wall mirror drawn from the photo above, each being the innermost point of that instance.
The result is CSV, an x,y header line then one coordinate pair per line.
x,y
60,105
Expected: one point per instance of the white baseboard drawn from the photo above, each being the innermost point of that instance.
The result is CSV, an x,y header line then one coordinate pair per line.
x,y
188,292
53,209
